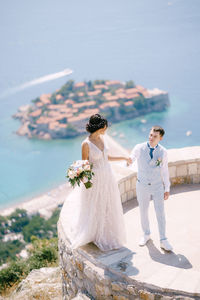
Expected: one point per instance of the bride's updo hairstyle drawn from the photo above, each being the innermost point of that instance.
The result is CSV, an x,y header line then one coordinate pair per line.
x,y
95,123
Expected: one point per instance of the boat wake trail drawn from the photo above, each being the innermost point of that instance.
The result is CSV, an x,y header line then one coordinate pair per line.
x,y
37,81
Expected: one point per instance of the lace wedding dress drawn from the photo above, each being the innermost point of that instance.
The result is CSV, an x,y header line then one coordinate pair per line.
x,y
95,214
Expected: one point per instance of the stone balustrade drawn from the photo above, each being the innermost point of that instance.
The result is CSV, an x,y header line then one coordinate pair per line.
x,y
184,167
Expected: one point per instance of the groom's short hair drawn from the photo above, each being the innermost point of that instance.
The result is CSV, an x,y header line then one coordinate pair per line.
x,y
159,129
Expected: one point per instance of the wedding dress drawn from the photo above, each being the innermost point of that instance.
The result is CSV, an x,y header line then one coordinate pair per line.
x,y
95,214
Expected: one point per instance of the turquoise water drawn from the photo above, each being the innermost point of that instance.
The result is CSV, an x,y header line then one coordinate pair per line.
x,y
156,43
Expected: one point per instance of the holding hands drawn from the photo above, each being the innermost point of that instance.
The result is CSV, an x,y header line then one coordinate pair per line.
x,y
129,161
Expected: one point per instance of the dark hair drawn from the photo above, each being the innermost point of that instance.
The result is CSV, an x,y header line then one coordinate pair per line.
x,y
96,122
158,129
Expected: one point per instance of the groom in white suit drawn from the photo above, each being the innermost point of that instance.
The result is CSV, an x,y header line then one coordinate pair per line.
x,y
152,182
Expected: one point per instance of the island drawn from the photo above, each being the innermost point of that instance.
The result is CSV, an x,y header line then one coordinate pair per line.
x,y
64,113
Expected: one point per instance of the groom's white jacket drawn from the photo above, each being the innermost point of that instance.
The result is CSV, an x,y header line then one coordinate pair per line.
x,y
149,172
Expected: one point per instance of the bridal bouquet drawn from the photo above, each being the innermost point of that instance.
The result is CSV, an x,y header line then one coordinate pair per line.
x,y
80,171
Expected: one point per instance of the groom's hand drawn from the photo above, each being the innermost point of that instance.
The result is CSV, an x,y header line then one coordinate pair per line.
x,y
129,161
166,195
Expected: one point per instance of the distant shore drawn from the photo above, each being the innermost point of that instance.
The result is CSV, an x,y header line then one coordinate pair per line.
x,y
44,204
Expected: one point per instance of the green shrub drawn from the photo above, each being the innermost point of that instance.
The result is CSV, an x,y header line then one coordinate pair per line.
x,y
19,219
9,250
67,88
43,253
35,227
16,271
130,84
36,100
3,225
140,103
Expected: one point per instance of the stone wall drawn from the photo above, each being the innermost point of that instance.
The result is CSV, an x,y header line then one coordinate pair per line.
x,y
101,276
184,167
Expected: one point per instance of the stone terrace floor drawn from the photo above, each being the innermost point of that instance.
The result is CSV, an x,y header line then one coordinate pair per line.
x,y
178,270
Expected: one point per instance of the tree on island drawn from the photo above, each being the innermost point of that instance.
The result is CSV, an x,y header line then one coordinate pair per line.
x,y
129,84
90,86
67,88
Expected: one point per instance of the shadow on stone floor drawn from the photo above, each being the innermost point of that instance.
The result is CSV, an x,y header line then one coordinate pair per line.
x,y
124,264
184,188
168,258
178,189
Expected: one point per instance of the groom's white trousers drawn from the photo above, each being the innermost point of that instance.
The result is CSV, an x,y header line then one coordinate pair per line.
x,y
144,194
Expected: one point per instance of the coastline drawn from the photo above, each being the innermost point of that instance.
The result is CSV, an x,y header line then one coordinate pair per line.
x,y
43,204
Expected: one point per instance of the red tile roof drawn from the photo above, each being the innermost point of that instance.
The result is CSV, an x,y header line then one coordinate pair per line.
x,y
131,91
39,104
67,115
57,106
53,113
132,96
91,111
80,94
111,98
100,86
121,90
77,118
113,82
145,93
43,120
128,103
44,98
109,104
84,115
62,125
107,94
140,88
121,95
36,113
69,101
79,84
94,93
84,104
59,97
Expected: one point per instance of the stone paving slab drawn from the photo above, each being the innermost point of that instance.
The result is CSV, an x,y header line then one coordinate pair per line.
x,y
150,265
180,269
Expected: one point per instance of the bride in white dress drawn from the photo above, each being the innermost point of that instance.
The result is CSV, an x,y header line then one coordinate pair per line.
x,y
95,214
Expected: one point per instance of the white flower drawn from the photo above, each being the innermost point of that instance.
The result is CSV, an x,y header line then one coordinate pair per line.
x,y
87,167
78,163
80,170
85,179
71,174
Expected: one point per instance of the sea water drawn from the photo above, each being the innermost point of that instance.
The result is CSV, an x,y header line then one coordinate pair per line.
x,y
155,43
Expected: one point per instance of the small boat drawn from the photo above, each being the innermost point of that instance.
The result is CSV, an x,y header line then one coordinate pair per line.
x,y
121,135
143,121
188,133
114,133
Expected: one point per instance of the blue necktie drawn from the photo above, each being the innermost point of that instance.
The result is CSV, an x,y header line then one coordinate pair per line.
x,y
151,152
